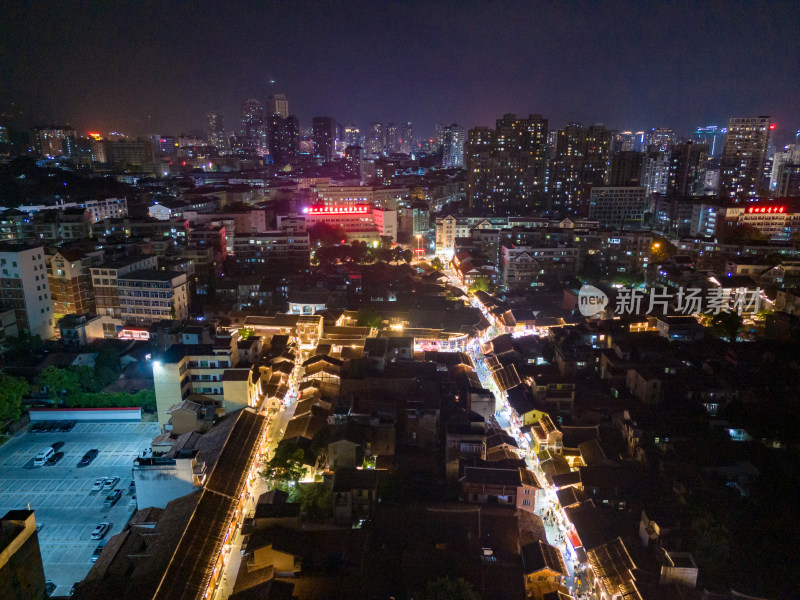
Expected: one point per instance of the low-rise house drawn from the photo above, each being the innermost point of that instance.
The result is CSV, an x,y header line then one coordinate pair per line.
x,y
355,494
509,487
544,569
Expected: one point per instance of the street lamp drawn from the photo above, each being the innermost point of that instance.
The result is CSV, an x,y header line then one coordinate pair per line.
x,y
419,249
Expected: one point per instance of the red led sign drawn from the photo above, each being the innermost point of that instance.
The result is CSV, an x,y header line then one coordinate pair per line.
x,y
766,209
358,209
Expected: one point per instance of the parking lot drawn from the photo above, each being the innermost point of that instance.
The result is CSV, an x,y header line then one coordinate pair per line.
x,y
66,508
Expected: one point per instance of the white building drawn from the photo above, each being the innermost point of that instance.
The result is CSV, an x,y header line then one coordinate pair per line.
x,y
25,289
147,296
161,480
108,208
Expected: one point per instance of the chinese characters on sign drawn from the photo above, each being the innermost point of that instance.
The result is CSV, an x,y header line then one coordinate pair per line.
x,y
688,301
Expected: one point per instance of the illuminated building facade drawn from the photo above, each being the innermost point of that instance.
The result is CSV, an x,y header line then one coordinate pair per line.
x,y
324,133
277,104
507,167
776,220
453,147
216,129
53,141
743,158
359,221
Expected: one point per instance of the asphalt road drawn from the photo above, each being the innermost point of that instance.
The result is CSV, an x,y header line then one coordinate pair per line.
x,y
65,507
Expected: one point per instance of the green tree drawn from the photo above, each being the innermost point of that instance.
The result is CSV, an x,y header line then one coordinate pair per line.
x,y
316,500
726,323
740,234
61,384
662,249
447,588
437,264
12,389
323,234
369,317
481,284
246,332
285,465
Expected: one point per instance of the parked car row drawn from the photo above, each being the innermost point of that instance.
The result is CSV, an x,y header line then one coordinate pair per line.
x,y
51,456
52,426
105,483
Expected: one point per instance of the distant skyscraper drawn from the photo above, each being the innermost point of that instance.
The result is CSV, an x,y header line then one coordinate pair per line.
x,y
743,157
566,169
711,136
628,141
405,135
687,172
216,130
283,139
655,171
516,164
453,147
597,165
277,104
324,133
354,161
786,158
626,168
253,129
352,135
662,138
376,141
392,137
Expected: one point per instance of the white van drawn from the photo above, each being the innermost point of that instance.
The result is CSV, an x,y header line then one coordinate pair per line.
x,y
43,456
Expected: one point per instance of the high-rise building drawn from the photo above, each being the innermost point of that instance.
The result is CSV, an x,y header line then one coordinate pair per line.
x,y
655,171
480,142
743,157
618,207
788,157
21,569
687,171
376,141
662,138
24,287
324,133
405,135
354,161
626,168
788,184
566,169
517,164
629,141
277,104
53,140
216,129
283,139
597,161
711,136
253,132
352,135
453,147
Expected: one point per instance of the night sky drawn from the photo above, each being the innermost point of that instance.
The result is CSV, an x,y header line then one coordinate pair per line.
x,y
158,67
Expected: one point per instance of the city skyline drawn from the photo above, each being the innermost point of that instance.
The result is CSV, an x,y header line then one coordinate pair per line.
x,y
97,71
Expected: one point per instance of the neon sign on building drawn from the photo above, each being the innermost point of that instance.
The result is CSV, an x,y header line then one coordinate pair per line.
x,y
358,209
765,209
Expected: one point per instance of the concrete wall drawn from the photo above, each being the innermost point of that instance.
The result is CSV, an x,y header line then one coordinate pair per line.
x,y
86,414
